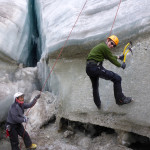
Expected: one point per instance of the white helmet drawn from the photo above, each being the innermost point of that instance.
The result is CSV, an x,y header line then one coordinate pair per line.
x,y
18,94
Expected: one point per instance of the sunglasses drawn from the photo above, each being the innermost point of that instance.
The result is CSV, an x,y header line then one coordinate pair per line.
x,y
114,45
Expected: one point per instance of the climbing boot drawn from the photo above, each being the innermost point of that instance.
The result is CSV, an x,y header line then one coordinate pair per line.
x,y
125,100
99,105
33,146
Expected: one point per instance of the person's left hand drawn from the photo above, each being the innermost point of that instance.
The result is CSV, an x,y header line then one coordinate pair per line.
x,y
123,66
37,97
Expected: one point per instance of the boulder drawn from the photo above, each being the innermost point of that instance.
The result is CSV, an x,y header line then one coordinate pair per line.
x,y
42,112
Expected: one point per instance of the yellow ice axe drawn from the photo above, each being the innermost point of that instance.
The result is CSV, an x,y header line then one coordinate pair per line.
x,y
126,52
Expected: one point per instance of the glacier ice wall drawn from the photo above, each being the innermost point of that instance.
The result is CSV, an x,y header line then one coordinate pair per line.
x,y
55,21
14,29
56,18
18,31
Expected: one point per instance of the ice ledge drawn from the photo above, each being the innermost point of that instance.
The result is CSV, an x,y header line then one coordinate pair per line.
x,y
76,100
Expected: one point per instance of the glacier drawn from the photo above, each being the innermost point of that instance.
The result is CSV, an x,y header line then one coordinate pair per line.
x,y
33,31
18,33
56,18
25,39
14,29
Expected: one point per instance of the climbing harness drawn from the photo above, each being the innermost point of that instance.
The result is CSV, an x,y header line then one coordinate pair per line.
x,y
7,130
129,49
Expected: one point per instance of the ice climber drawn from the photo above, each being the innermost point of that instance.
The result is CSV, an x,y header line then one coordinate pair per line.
x,y
15,119
95,70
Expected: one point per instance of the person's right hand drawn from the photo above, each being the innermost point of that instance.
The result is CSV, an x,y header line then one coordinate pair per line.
x,y
123,65
26,119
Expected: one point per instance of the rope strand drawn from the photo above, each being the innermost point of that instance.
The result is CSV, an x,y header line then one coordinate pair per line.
x,y
115,18
56,60
63,46
62,50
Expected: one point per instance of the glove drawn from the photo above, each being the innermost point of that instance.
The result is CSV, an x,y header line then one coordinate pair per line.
x,y
37,97
26,119
121,57
123,65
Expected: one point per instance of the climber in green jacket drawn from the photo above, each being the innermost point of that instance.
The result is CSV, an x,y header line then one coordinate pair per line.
x,y
95,70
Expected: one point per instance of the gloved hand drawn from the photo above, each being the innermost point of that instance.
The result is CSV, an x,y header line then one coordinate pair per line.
x,y
37,97
26,119
123,65
121,57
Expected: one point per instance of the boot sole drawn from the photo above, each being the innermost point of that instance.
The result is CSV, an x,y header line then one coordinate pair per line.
x,y
121,103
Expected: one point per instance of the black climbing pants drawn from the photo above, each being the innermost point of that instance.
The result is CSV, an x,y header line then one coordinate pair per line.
x,y
95,72
15,130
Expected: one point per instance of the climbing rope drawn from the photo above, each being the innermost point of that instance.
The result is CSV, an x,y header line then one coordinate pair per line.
x,y
68,39
57,59
115,18
61,50
64,47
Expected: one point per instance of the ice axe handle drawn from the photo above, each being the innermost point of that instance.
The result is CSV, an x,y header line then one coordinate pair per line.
x,y
130,43
131,50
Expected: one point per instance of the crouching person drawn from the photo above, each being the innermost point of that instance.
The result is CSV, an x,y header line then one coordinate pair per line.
x,y
15,119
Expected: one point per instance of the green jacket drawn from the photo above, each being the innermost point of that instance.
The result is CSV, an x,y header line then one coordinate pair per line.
x,y
101,52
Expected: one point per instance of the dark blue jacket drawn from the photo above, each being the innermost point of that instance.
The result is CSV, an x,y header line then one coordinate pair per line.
x,y
16,112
